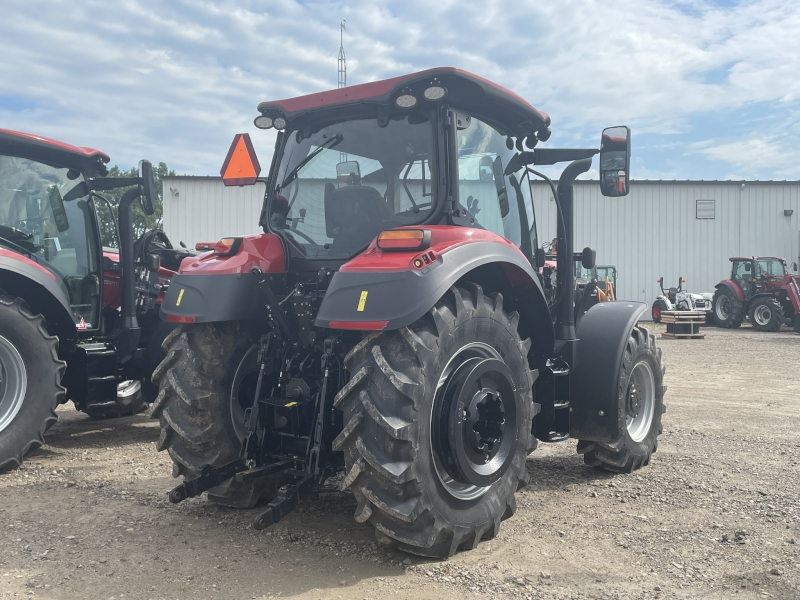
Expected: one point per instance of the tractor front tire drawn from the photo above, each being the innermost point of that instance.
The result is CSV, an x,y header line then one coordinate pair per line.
x,y
194,404
659,306
415,417
30,381
766,314
639,409
727,308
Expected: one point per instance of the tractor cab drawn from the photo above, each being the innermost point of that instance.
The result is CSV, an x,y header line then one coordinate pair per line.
x,y
47,217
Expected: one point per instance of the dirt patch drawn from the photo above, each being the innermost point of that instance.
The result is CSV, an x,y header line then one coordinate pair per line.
x,y
715,515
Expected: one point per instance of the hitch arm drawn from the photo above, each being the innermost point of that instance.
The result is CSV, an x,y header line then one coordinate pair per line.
x,y
209,477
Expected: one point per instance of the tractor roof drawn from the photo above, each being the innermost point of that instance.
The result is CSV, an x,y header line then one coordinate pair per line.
x,y
464,91
53,152
755,258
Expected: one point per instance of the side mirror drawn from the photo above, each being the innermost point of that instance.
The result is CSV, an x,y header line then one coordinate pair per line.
x,y
147,187
588,258
349,173
615,161
747,267
794,267
153,263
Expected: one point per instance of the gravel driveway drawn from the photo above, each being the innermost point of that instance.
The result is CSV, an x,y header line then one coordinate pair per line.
x,y
715,515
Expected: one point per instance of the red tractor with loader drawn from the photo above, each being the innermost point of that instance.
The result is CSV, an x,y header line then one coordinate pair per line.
x,y
761,289
389,326
76,322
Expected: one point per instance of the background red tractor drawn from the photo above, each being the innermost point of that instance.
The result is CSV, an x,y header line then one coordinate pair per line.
x,y
390,327
76,322
761,289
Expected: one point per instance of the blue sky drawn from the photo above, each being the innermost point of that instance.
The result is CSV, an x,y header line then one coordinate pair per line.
x,y
711,89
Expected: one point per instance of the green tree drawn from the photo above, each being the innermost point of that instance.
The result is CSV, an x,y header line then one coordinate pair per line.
x,y
141,222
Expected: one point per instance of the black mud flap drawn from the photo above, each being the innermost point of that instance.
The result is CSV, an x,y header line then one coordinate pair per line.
x,y
602,332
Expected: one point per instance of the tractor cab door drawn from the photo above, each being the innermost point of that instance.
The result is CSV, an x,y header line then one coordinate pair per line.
x,y
47,216
493,200
743,275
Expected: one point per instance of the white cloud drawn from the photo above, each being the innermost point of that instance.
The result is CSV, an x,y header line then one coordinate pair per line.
x,y
174,81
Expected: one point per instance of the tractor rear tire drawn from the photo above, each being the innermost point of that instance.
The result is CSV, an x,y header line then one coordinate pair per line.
x,y
194,404
401,426
766,314
727,308
30,381
659,306
639,409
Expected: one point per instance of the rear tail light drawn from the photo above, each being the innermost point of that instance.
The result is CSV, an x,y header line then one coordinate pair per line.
x,y
401,240
179,319
227,246
359,325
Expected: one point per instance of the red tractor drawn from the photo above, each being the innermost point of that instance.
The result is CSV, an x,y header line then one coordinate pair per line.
x,y
390,327
760,288
76,323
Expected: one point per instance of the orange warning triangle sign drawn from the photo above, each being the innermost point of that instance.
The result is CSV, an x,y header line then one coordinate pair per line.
x,y
241,165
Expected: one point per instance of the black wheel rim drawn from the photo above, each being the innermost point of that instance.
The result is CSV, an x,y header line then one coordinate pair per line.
x,y
13,382
473,422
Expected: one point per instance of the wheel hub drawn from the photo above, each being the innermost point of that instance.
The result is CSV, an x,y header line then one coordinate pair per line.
x,y
634,402
473,425
723,307
485,423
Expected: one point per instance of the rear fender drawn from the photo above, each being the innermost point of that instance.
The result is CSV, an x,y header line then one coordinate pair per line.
x,y
211,288
732,285
594,383
371,298
23,278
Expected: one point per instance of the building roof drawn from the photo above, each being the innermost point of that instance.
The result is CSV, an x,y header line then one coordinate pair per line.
x,y
53,152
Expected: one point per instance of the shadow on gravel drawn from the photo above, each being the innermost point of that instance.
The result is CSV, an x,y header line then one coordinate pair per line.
x,y
78,431
555,472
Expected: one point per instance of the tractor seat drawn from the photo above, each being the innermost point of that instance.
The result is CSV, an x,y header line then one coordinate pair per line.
x,y
354,216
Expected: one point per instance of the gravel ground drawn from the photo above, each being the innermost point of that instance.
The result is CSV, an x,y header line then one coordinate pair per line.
x,y
715,515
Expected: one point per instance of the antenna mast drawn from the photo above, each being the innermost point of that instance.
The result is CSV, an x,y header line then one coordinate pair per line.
x,y
342,71
342,56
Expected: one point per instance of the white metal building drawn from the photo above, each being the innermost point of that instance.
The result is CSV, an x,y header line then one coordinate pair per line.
x,y
672,229
678,229
202,209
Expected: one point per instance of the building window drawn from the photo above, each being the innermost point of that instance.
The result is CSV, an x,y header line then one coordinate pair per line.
x,y
705,209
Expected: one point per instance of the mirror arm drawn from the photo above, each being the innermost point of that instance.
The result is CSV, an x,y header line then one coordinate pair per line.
x,y
548,156
111,183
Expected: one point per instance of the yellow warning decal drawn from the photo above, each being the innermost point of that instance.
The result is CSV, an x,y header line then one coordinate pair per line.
x,y
180,297
362,301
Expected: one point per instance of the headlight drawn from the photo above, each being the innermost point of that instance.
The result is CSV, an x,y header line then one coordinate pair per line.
x,y
279,123
263,122
406,101
435,92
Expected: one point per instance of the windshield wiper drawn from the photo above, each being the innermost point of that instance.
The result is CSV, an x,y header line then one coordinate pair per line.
x,y
293,173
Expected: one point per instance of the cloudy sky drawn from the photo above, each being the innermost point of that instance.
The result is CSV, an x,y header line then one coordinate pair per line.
x,y
710,88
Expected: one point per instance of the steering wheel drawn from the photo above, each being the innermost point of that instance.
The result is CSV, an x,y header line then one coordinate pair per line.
x,y
148,240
